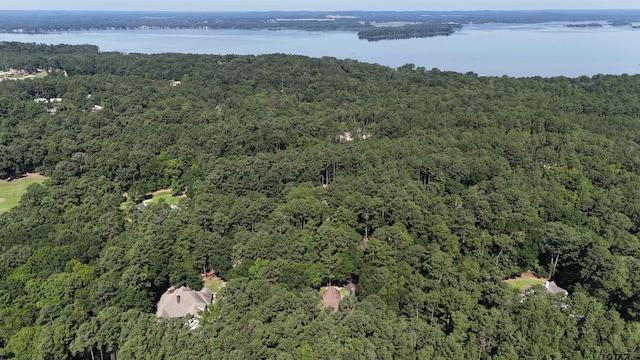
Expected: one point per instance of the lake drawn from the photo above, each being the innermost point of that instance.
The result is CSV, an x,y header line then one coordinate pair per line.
x,y
548,49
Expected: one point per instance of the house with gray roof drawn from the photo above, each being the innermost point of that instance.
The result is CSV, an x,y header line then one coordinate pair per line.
x,y
553,288
175,303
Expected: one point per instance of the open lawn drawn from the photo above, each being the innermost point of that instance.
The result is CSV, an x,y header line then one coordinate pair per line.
x,y
520,284
343,291
165,195
12,191
526,279
214,284
21,76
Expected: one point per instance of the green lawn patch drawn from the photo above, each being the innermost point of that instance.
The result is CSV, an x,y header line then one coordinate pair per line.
x,y
214,284
12,191
166,196
343,291
520,284
21,75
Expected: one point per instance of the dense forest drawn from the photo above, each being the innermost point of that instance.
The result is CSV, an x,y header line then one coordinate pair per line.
x,y
408,31
424,189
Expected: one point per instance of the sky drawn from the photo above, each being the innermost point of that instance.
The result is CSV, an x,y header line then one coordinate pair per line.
x,y
317,5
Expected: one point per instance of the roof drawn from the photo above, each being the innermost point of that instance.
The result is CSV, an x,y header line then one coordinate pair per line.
x,y
178,303
352,288
553,288
331,297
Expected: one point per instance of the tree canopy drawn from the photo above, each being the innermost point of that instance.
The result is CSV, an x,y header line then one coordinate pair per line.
x,y
422,189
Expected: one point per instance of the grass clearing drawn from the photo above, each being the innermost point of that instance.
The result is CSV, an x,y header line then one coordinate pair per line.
x,y
21,75
526,279
343,291
11,191
214,284
520,284
165,195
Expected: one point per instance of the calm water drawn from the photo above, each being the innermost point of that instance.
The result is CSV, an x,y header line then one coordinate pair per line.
x,y
496,49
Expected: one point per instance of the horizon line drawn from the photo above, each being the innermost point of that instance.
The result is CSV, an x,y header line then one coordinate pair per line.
x,y
313,11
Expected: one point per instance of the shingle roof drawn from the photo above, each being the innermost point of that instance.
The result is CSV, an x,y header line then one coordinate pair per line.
x,y
352,288
331,297
183,301
553,288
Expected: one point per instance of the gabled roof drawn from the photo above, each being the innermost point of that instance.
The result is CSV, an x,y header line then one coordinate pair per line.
x,y
331,298
178,303
553,288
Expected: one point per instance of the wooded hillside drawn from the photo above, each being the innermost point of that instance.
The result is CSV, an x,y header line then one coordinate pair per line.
x,y
425,189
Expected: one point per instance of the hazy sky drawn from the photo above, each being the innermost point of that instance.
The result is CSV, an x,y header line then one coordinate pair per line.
x,y
329,5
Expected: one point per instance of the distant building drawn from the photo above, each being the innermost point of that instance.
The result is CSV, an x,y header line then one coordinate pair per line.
x,y
348,136
175,303
331,298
